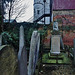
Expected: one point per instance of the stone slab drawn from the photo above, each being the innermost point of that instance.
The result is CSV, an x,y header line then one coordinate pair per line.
x,y
22,59
8,61
34,51
55,44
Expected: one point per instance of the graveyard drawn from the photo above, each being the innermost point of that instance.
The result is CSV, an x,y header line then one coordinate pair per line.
x,y
37,57
45,46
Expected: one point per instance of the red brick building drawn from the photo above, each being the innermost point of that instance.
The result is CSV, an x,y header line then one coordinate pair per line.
x,y
64,13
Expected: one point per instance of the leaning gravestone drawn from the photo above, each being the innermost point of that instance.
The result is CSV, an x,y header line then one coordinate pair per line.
x,y
74,51
8,61
34,51
55,44
0,40
22,54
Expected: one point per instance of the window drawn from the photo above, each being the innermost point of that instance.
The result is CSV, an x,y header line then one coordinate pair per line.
x,y
34,11
38,11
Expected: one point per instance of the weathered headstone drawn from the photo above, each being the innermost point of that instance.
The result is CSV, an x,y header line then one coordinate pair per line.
x,y
23,62
0,40
8,61
74,51
34,51
21,38
55,26
55,44
22,54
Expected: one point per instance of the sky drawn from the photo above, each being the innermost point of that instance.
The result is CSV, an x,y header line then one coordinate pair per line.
x,y
29,11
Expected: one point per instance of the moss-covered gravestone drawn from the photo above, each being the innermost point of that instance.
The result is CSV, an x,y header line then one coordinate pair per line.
x,y
8,61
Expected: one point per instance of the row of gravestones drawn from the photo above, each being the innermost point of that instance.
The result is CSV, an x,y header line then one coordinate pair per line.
x,y
8,59
33,54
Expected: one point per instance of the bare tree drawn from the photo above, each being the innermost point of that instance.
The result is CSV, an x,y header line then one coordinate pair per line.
x,y
14,9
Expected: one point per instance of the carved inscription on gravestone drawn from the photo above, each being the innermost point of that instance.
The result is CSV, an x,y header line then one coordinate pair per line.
x,y
55,44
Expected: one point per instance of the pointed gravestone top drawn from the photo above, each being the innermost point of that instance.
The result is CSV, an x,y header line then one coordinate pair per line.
x,y
21,38
22,54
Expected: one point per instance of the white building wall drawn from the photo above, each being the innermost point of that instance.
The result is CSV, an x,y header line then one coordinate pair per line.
x,y
39,10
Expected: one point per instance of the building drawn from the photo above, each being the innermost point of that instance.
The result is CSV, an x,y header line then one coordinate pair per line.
x,y
63,13
42,11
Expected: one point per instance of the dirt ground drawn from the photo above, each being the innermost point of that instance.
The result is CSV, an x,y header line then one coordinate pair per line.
x,y
58,70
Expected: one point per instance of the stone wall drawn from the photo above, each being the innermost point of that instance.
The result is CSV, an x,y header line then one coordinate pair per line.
x,y
8,61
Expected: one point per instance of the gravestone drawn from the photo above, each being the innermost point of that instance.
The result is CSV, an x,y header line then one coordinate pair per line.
x,y
74,51
55,44
22,54
55,26
21,38
8,61
34,51
0,40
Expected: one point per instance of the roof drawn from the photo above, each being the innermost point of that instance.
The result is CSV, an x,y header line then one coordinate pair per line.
x,y
63,4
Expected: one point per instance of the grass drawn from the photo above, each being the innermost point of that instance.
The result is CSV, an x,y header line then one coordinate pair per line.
x,y
45,58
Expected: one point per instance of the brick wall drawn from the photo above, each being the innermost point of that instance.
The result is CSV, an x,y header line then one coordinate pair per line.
x,y
65,17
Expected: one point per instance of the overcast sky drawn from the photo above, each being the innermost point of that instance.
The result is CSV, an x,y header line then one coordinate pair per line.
x,y
29,10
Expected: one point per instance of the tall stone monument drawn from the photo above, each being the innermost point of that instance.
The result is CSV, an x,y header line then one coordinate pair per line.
x,y
55,39
21,38
22,54
34,51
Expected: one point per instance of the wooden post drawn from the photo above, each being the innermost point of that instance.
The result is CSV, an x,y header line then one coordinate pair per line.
x,y
22,54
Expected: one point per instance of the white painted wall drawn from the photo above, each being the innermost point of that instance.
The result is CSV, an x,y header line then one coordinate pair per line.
x,y
39,5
